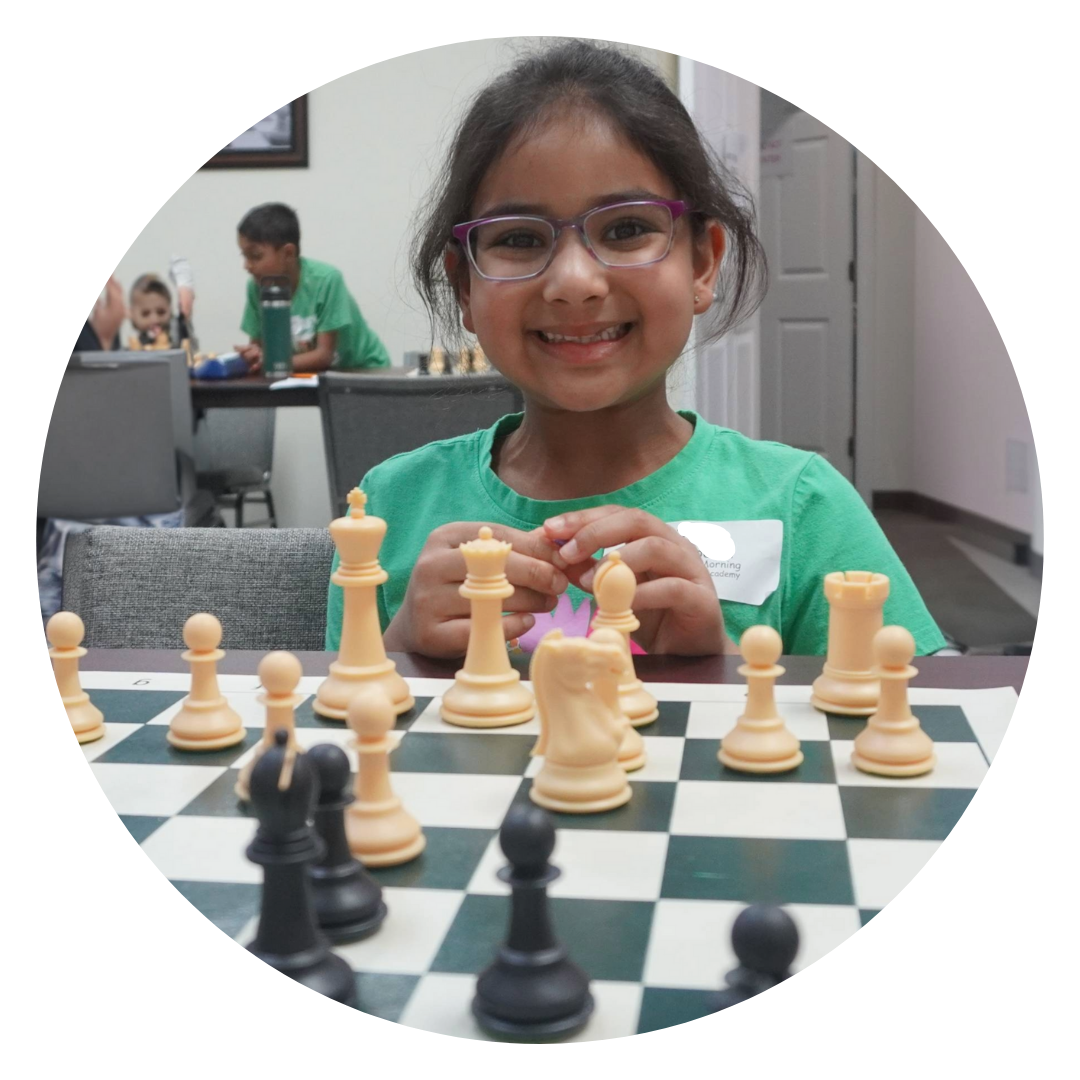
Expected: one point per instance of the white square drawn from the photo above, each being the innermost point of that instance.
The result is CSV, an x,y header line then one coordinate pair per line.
x,y
663,759
309,737
714,719
114,733
456,800
780,811
442,1003
881,868
416,923
601,864
246,705
153,790
431,720
204,849
959,765
690,942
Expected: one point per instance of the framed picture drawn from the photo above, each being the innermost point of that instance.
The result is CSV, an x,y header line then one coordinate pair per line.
x,y
278,141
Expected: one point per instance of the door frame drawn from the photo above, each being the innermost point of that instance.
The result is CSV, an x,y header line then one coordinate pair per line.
x,y
865,193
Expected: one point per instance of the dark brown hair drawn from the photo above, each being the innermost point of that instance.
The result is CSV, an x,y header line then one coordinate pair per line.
x,y
150,283
625,90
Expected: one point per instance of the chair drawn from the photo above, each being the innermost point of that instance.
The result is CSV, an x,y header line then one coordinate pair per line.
x,y
234,455
135,588
369,418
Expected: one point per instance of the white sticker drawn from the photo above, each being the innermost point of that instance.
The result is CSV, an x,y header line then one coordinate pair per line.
x,y
743,557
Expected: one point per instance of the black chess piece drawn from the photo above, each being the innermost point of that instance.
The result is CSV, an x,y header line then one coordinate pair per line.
x,y
532,991
766,941
348,900
283,786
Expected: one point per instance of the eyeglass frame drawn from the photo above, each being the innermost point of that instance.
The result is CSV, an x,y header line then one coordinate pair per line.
x,y
676,207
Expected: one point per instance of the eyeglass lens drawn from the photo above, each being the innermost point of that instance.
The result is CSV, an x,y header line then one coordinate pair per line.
x,y
625,235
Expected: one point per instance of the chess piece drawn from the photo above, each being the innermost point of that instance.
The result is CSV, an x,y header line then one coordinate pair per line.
x,y
381,831
464,362
362,659
766,942
480,362
348,900
205,721
437,361
65,632
847,684
614,585
579,736
532,991
893,743
760,742
606,685
288,938
279,673
487,691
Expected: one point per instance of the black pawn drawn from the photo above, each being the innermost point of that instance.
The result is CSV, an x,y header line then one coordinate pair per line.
x,y
288,938
348,900
532,991
766,941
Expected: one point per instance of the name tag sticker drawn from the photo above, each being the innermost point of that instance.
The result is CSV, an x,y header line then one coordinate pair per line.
x,y
743,557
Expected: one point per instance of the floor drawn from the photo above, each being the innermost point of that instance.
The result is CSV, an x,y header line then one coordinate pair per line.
x,y
983,602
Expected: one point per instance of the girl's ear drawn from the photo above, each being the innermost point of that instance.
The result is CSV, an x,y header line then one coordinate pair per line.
x,y
457,273
708,255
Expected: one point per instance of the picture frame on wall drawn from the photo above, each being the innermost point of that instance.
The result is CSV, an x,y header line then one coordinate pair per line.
x,y
277,141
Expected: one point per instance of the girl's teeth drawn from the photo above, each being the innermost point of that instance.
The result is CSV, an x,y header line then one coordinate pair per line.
x,y
605,335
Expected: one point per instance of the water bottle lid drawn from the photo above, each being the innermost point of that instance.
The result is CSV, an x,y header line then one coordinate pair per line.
x,y
274,289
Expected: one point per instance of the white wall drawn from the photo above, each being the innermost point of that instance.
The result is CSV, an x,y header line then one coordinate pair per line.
x,y
967,400
375,138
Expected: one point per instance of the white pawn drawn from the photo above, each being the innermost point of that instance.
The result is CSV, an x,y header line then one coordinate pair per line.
x,y
760,742
381,831
893,742
279,673
65,632
632,747
205,720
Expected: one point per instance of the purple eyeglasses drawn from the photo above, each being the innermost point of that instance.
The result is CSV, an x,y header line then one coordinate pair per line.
x,y
515,247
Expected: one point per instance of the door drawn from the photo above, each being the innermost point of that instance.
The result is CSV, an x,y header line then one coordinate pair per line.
x,y
807,319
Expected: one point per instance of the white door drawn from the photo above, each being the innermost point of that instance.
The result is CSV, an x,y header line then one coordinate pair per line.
x,y
807,319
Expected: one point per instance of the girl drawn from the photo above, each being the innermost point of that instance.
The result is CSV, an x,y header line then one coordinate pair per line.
x,y
578,229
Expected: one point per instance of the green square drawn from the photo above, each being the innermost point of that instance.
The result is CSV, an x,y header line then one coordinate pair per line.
x,y
486,753
866,914
229,906
664,1007
757,871
448,861
134,706
149,746
649,809
307,717
700,762
673,719
606,938
902,813
384,996
943,723
218,799
141,826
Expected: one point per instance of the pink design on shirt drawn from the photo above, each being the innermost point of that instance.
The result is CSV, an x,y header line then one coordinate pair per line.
x,y
564,617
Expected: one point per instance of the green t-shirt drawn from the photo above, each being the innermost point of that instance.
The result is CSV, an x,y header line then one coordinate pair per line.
x,y
322,304
798,517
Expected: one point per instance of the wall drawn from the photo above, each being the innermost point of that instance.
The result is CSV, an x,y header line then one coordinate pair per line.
x,y
967,402
376,137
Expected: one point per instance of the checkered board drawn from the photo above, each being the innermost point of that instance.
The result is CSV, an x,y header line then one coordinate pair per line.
x,y
648,892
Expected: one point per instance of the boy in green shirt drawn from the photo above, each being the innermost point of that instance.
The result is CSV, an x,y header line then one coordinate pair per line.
x,y
327,327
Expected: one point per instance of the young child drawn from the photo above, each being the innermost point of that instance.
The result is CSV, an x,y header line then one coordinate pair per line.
x,y
578,229
150,308
327,327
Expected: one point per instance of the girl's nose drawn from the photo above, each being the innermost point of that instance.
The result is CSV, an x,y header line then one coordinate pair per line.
x,y
574,276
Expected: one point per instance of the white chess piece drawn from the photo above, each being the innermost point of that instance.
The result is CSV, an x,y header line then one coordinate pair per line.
x,y
606,685
279,673
65,632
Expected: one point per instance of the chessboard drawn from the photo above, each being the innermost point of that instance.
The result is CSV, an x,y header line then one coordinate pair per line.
x,y
648,892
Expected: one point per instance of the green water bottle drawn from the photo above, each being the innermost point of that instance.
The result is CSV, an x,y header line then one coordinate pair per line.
x,y
275,300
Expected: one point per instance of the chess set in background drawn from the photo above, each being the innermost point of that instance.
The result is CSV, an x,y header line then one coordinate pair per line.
x,y
663,830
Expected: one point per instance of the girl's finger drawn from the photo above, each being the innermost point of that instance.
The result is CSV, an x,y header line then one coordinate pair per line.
x,y
620,526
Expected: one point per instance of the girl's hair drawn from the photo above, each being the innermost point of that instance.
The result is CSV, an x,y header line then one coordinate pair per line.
x,y
583,74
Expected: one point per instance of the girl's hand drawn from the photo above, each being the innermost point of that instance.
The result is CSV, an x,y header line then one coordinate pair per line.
x,y
434,617
251,355
675,600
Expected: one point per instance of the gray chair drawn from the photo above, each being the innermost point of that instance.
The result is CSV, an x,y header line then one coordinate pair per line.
x,y
369,418
135,588
234,456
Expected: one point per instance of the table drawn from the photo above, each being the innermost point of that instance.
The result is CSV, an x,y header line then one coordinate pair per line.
x,y
249,392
